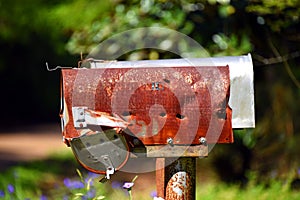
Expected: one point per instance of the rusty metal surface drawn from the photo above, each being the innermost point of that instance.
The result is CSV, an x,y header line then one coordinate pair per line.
x,y
160,177
241,80
177,151
180,179
184,103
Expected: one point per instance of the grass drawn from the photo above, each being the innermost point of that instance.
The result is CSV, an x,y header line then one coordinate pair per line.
x,y
57,178
275,191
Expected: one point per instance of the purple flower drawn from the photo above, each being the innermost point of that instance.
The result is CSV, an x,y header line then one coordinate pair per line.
x,y
67,182
89,181
153,194
92,175
2,194
43,197
299,171
84,197
128,185
91,193
10,188
116,184
73,184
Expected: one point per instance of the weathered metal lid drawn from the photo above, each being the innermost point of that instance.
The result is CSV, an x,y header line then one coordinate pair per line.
x,y
241,80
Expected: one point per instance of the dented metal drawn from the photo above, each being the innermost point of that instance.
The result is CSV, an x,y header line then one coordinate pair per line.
x,y
241,80
115,110
189,103
101,152
90,119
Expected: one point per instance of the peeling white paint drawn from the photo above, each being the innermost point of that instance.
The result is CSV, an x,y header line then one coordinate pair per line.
x,y
179,183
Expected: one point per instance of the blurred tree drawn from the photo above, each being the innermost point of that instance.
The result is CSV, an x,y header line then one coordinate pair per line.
x,y
33,33
278,86
203,21
25,46
268,29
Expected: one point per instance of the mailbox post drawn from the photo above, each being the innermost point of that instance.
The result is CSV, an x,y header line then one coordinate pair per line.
x,y
172,110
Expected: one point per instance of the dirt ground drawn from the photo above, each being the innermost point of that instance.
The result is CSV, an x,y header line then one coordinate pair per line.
x,y
29,143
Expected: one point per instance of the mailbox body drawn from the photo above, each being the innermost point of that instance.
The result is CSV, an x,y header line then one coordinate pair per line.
x,y
111,110
177,105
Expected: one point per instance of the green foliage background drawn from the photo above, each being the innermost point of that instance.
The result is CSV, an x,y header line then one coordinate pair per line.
x,y
34,32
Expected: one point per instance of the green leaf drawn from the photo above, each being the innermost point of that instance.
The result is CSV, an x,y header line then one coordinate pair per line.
x,y
79,174
100,197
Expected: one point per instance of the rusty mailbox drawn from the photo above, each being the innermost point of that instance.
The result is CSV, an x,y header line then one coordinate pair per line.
x,y
116,110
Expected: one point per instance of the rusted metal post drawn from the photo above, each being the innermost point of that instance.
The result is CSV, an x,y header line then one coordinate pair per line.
x,y
160,177
179,179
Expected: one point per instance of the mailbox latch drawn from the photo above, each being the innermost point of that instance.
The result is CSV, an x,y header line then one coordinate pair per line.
x,y
110,170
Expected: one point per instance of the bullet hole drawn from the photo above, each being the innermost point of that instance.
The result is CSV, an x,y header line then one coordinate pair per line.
x,y
179,116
